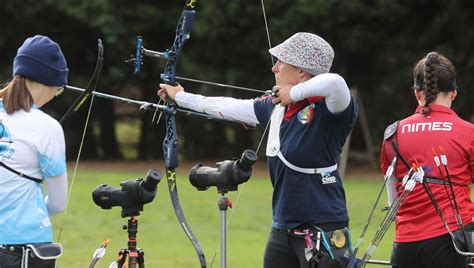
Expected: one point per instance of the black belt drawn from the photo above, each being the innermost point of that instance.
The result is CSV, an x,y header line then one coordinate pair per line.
x,y
296,232
13,249
331,226
336,239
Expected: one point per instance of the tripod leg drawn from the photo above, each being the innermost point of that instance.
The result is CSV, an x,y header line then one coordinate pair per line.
x,y
122,257
141,258
132,259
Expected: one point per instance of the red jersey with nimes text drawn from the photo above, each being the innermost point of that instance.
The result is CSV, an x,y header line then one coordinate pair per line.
x,y
416,136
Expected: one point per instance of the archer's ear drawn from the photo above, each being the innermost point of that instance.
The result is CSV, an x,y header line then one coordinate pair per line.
x,y
419,96
303,76
454,95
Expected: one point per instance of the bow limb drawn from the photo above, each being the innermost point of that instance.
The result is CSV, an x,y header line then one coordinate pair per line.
x,y
91,87
170,143
170,150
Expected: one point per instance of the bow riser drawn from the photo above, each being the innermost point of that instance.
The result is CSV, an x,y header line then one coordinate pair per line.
x,y
170,143
183,31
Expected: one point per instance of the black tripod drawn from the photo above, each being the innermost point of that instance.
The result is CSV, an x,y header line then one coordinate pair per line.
x,y
135,255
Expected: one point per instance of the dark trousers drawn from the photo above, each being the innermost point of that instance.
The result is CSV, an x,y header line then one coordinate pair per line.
x,y
12,259
287,250
284,250
437,252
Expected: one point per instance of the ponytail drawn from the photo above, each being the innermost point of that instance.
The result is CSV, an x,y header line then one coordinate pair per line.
x,y
15,95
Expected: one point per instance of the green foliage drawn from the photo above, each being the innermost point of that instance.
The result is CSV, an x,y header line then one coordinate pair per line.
x,y
376,45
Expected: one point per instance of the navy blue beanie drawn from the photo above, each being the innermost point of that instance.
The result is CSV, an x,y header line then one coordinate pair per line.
x,y
41,59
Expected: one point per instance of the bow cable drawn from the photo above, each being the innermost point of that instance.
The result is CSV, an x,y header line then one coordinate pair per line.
x,y
219,84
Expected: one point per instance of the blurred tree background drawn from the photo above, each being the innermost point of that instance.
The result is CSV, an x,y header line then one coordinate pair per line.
x,y
376,44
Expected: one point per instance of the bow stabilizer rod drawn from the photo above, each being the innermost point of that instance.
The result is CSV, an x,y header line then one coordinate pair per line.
x,y
148,106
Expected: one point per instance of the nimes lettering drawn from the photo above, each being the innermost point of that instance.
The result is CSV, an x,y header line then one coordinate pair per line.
x,y
429,126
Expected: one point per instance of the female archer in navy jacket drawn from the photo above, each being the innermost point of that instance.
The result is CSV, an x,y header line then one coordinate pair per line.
x,y
309,118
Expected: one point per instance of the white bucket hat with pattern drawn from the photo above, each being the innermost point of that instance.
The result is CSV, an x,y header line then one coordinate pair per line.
x,y
306,51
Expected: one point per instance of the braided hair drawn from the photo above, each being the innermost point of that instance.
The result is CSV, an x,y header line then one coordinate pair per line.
x,y
433,74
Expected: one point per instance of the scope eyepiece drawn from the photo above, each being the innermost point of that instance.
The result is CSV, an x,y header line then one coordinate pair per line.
x,y
248,158
152,179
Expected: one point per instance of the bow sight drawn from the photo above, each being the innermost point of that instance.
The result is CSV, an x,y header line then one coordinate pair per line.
x,y
183,30
137,60
227,176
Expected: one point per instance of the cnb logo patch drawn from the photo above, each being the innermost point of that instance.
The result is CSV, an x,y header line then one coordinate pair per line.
x,y
305,115
5,143
328,178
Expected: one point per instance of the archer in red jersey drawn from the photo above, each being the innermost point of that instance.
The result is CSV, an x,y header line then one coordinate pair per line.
x,y
422,238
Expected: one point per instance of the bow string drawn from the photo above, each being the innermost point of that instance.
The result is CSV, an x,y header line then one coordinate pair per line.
x,y
76,105
268,92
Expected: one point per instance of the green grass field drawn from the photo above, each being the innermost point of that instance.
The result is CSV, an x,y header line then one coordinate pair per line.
x,y
85,225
